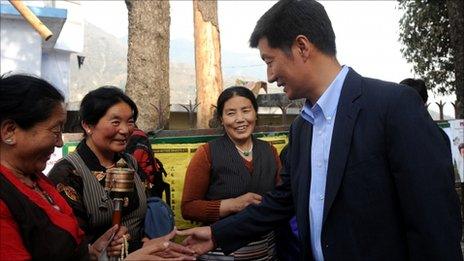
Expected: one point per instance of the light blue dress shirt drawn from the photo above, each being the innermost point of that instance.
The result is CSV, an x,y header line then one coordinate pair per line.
x,y
322,116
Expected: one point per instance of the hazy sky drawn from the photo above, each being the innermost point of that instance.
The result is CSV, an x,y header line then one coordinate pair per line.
x,y
366,32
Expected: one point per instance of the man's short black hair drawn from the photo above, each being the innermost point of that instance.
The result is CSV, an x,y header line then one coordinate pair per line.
x,y
418,85
287,19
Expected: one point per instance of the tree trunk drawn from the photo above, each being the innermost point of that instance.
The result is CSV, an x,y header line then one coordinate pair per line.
x,y
456,19
284,115
207,59
148,61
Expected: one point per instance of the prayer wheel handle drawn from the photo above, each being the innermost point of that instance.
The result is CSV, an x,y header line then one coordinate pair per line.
x,y
117,211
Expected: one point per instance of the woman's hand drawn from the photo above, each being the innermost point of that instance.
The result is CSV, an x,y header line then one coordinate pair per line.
x,y
102,243
115,246
234,205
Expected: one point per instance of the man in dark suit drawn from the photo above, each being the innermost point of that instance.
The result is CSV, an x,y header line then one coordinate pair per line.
x,y
366,166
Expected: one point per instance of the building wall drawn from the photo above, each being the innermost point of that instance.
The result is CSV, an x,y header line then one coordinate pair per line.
x,y
274,119
178,121
56,61
55,69
23,50
23,57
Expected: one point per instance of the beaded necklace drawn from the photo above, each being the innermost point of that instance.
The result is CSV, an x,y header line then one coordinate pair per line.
x,y
124,248
245,153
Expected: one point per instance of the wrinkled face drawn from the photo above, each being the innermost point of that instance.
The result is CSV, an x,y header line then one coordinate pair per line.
x,y
112,131
238,118
284,68
35,146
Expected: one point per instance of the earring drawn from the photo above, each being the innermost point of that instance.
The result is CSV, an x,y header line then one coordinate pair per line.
x,y
9,141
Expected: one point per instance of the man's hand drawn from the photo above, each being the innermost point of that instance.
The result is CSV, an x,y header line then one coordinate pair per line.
x,y
167,249
234,205
198,239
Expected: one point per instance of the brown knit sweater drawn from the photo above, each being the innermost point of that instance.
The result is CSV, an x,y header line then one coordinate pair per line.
x,y
194,206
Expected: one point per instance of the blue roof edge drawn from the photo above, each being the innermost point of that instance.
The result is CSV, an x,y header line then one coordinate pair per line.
x,y
44,12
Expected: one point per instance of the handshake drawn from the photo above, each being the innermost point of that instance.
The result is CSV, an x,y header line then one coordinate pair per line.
x,y
197,242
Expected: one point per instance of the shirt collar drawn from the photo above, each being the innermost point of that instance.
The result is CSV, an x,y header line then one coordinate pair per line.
x,y
328,102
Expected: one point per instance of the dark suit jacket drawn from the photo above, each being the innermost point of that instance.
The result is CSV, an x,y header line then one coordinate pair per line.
x,y
390,188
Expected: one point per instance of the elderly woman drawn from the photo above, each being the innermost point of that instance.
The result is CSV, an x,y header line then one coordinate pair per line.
x,y
107,118
231,172
35,221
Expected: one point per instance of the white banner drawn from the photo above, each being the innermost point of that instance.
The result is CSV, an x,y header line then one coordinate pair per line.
x,y
456,134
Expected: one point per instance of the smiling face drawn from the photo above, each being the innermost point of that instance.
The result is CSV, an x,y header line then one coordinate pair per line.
x,y
239,119
33,147
112,131
286,69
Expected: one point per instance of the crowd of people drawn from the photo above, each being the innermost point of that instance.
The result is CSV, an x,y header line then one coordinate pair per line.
x,y
365,175
68,219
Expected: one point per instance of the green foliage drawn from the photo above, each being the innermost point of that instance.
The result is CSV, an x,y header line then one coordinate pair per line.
x,y
425,35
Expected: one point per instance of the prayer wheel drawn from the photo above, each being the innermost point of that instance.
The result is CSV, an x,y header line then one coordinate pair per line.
x,y
119,182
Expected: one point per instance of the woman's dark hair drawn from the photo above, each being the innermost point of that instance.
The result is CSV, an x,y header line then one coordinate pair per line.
x,y
235,91
287,19
97,102
418,85
27,100
461,146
